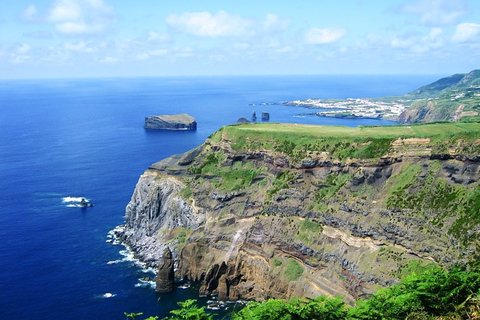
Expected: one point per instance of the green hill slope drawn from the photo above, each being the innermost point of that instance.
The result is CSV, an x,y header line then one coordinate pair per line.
x,y
448,99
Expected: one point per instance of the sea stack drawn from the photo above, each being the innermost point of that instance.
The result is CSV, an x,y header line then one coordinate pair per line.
x,y
265,116
166,275
171,122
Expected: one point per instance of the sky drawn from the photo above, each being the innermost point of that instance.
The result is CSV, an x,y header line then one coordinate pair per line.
x,y
136,38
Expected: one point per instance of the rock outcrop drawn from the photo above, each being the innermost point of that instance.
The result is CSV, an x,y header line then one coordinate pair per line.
x,y
171,122
165,281
259,220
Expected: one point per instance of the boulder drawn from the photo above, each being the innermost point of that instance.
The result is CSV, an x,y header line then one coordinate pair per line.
x,y
242,120
171,122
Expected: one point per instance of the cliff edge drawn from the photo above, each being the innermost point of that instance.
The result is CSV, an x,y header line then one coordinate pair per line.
x,y
275,211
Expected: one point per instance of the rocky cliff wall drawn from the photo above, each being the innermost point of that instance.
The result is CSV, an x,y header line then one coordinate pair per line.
x,y
254,222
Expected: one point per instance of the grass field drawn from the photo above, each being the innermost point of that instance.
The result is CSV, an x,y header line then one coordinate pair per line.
x,y
420,131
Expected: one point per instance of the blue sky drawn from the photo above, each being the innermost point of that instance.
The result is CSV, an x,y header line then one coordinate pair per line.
x,y
108,38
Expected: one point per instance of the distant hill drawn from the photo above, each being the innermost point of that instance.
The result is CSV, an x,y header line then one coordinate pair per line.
x,y
448,99
456,81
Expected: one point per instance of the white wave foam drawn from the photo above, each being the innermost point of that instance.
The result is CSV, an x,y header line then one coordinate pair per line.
x,y
75,199
74,205
146,284
108,295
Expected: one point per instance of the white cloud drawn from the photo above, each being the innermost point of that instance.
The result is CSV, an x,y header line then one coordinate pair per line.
x,y
223,24
29,14
284,49
436,12
415,42
467,33
20,59
80,46
24,48
434,38
65,10
204,24
158,52
324,36
158,37
108,60
142,56
79,28
80,17
273,23
402,42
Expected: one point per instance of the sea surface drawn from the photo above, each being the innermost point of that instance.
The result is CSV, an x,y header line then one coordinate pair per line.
x,y
85,138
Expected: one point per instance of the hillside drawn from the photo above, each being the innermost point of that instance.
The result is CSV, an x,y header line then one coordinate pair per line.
x,y
449,84
448,99
275,211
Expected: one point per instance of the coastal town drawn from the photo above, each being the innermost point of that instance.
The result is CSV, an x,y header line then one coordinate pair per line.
x,y
354,108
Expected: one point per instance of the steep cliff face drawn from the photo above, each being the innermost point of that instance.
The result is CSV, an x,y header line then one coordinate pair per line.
x,y
256,214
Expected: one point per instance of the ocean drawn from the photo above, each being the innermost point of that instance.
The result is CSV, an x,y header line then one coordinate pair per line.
x,y
85,138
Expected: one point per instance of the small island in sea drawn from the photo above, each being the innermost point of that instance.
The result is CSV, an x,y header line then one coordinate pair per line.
x,y
171,122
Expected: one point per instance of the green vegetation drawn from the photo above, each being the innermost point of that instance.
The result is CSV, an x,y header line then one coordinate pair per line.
x,y
431,193
441,99
186,193
293,270
282,181
301,141
432,294
308,230
319,308
230,178
334,182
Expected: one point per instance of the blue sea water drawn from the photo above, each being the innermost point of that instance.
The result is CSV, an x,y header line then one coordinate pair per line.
x,y
85,137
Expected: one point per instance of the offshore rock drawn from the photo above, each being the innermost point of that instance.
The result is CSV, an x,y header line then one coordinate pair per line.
x,y
171,122
166,276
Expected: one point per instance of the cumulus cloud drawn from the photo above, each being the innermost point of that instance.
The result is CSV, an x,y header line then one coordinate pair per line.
x,y
324,36
80,28
416,42
205,24
80,17
436,12
223,24
467,33
30,13
274,23
434,38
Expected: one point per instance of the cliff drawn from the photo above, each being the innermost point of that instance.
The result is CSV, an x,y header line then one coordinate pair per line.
x,y
171,122
271,210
